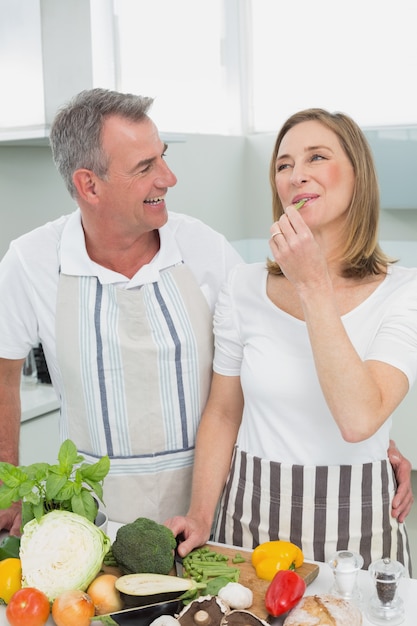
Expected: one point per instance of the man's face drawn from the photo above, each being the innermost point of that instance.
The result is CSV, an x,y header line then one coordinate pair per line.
x,y
132,196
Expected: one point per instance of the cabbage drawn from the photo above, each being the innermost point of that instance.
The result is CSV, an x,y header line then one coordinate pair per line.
x,y
61,551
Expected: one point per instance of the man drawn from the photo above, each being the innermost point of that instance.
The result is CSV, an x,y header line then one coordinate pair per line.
x,y
120,294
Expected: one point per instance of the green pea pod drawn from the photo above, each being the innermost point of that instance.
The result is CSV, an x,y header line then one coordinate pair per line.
x,y
300,203
10,547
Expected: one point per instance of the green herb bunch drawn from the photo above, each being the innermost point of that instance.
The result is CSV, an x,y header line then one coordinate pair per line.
x,y
70,485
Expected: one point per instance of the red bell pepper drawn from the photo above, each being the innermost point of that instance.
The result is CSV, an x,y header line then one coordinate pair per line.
x,y
284,592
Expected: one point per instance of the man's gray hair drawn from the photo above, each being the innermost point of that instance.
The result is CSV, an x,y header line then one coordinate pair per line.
x,y
75,135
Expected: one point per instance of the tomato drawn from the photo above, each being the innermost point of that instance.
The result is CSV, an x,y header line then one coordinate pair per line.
x,y
72,608
28,607
10,578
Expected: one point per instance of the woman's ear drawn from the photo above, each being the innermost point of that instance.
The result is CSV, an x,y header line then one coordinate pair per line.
x,y
84,181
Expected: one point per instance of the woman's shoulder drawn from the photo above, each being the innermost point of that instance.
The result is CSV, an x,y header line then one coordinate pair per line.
x,y
247,276
244,281
402,274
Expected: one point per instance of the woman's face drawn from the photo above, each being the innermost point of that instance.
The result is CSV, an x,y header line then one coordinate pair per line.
x,y
311,164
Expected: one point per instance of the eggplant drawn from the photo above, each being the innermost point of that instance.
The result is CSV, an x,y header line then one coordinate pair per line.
x,y
140,616
142,589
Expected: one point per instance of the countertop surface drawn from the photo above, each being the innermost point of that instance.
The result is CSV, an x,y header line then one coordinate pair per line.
x,y
322,584
37,399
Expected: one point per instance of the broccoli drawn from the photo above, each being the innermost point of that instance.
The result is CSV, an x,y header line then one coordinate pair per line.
x,y
144,546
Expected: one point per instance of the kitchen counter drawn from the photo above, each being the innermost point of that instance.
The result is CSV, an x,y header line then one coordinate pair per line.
x,y
322,584
37,399
39,432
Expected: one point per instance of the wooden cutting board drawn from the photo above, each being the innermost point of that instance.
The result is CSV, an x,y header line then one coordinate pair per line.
x,y
248,577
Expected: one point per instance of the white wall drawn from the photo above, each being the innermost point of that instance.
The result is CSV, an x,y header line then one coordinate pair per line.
x,y
31,191
211,181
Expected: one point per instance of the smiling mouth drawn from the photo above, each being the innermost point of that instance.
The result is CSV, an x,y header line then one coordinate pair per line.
x,y
154,200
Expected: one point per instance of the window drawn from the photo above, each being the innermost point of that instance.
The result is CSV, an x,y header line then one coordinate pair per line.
x,y
242,66
172,51
22,101
356,57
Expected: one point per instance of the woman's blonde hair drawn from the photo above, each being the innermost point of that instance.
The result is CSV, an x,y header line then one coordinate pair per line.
x,y
362,255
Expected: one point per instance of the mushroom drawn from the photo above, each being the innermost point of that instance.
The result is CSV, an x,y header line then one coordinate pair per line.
x,y
242,618
165,620
202,618
204,611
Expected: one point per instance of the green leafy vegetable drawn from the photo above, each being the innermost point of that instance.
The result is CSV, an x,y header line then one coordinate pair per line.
x,y
9,548
215,584
70,485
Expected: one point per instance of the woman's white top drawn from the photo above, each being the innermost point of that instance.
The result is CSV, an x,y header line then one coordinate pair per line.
x,y
286,417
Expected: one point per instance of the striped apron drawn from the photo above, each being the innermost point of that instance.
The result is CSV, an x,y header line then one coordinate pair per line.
x,y
136,369
321,509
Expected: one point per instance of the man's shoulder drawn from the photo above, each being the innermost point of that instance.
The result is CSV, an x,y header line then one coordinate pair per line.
x,y
183,222
251,271
42,236
205,250
193,236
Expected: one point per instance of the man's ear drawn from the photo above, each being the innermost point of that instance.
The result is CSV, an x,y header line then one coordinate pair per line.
x,y
85,183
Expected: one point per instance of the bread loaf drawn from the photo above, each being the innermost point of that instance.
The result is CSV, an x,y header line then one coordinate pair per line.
x,y
324,610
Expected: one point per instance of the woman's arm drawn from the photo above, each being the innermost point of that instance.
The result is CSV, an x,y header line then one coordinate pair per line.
x,y
215,442
361,395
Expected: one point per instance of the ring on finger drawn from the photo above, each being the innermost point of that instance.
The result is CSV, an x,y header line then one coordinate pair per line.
x,y
277,233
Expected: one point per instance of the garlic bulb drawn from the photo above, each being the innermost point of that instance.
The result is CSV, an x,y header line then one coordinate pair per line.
x,y
237,596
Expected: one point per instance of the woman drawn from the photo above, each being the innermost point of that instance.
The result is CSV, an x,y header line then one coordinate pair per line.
x,y
313,354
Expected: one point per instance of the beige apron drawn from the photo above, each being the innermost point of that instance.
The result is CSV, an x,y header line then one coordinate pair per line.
x,y
136,368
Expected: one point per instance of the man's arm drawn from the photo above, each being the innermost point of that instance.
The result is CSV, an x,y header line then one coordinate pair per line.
x,y
10,413
403,499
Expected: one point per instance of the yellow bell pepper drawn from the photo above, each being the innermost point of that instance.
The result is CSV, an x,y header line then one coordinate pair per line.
x,y
271,556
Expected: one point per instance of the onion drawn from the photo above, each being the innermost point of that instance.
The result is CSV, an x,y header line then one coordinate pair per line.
x,y
106,598
73,608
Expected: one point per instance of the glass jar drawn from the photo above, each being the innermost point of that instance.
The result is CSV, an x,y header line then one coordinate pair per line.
x,y
345,566
386,606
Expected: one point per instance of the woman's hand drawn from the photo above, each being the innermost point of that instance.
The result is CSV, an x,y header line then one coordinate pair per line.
x,y
297,251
